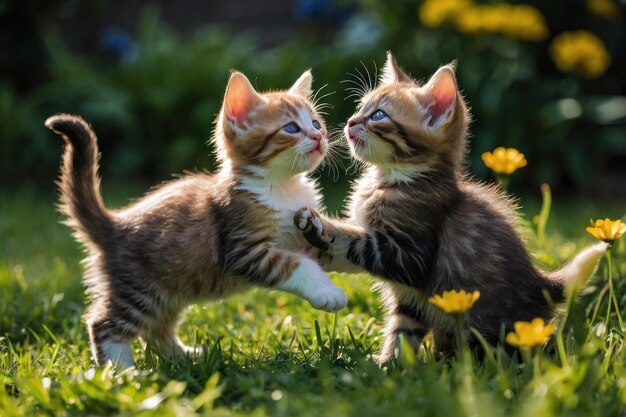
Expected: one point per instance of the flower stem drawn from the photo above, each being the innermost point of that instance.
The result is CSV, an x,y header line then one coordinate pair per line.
x,y
608,315
503,180
526,356
612,291
596,309
536,367
544,214
460,336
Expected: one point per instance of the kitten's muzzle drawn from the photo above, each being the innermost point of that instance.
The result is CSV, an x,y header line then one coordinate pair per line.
x,y
353,121
318,139
356,134
316,136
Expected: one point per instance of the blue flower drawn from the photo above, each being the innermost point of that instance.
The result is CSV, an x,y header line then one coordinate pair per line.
x,y
327,10
119,44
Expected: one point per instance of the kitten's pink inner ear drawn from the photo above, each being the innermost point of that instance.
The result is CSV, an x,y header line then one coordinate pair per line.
x,y
240,99
442,93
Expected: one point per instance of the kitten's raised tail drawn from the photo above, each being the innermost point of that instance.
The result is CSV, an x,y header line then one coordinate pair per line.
x,y
575,274
79,182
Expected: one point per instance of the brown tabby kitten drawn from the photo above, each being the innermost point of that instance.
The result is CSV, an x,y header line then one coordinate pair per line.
x,y
202,236
417,222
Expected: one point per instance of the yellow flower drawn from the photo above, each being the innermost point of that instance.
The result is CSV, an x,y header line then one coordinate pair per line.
x,y
580,52
434,13
521,21
504,160
515,21
495,17
454,302
606,9
470,21
525,22
527,335
607,230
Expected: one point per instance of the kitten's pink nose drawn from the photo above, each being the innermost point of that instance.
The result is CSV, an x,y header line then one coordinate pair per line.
x,y
316,136
352,121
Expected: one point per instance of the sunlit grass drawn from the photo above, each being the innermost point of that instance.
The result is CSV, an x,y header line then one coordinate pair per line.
x,y
271,354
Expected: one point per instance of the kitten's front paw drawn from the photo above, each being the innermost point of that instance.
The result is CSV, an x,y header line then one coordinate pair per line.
x,y
308,220
329,298
311,283
310,223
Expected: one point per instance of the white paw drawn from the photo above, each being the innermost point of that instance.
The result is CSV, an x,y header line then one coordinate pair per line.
x,y
312,284
308,220
118,354
329,298
191,352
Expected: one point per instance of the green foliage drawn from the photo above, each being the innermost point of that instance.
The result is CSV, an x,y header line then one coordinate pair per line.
x,y
518,98
154,113
271,354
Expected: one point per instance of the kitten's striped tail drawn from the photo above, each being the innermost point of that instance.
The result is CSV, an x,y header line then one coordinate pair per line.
x,y
575,274
79,182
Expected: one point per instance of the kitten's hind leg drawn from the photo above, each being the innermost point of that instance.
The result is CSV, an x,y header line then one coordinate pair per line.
x,y
400,324
167,344
109,343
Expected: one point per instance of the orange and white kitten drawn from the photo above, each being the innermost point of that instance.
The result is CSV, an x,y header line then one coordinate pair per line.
x,y
202,236
422,226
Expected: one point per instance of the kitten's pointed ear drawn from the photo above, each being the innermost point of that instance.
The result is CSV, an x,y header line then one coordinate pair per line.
x,y
303,85
441,93
392,73
240,99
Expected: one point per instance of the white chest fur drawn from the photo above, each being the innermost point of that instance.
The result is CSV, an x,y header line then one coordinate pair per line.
x,y
285,198
362,190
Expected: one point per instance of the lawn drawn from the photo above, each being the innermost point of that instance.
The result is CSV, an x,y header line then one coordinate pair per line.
x,y
271,354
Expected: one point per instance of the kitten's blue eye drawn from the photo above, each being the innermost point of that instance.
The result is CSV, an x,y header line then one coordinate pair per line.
x,y
378,115
317,125
291,128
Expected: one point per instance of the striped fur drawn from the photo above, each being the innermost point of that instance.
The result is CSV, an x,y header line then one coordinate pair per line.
x,y
417,222
202,236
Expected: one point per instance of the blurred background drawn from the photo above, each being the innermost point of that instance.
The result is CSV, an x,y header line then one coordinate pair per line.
x,y
548,78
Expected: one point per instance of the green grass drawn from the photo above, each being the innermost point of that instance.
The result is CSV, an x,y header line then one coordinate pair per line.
x,y
271,354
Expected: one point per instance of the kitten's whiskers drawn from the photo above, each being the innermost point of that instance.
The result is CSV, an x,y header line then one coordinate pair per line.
x,y
321,107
